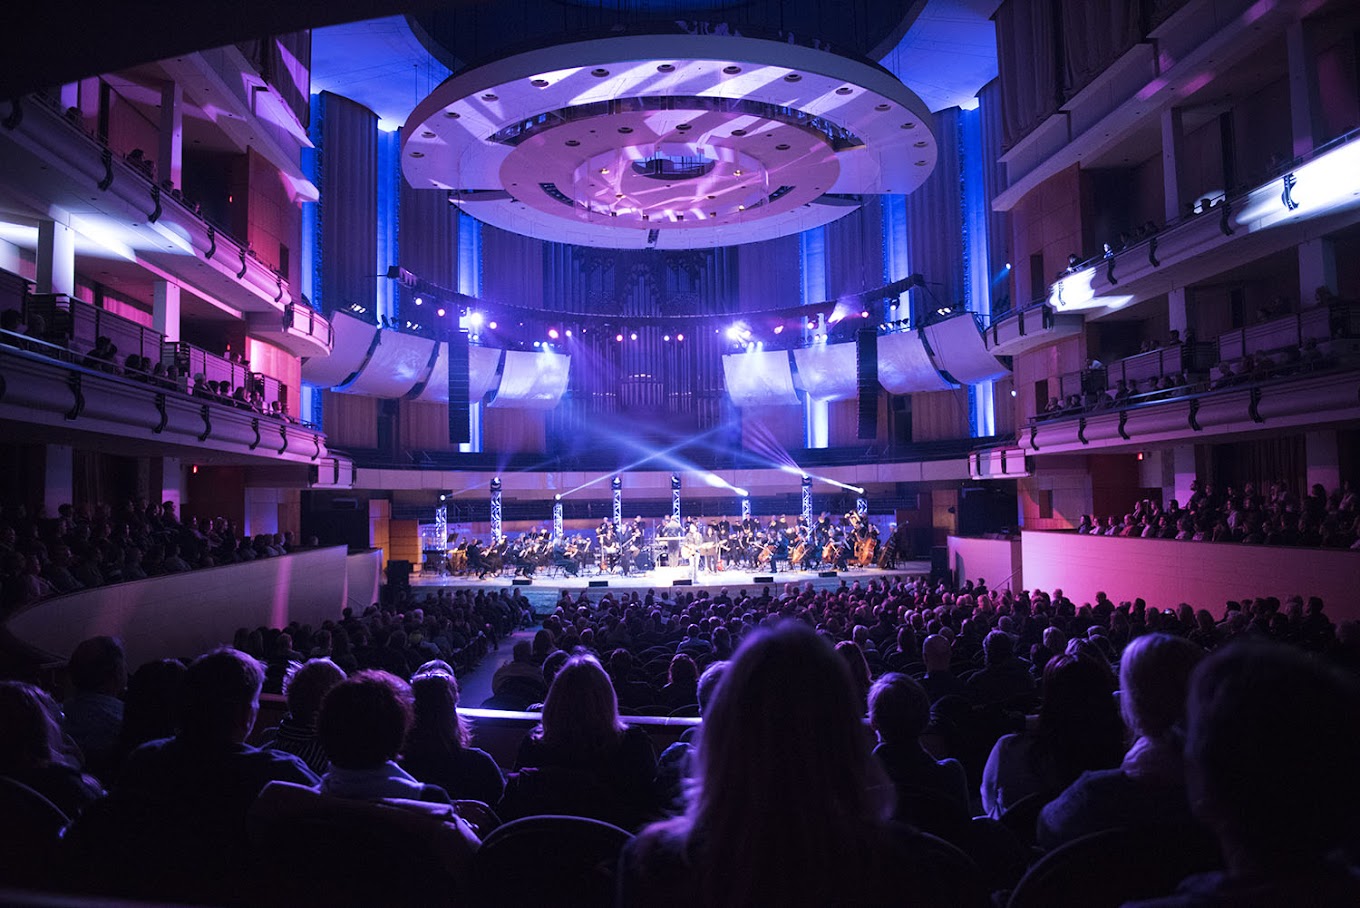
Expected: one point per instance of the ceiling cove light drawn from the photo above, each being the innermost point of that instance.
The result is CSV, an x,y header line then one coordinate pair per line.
x,y
709,117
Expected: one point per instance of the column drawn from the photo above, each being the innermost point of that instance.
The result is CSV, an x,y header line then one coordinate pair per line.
x,y
1172,155
1322,461
59,478
1178,471
170,155
1303,87
56,265
1177,315
165,309
1317,269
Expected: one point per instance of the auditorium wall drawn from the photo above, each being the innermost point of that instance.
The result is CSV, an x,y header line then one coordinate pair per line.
x,y
187,614
1204,574
995,560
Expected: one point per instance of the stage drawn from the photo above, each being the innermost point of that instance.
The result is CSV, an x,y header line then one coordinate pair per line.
x,y
546,586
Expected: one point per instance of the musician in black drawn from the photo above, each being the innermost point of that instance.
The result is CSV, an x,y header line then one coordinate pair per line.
x,y
475,560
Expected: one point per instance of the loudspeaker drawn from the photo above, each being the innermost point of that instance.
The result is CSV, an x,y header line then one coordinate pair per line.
x,y
460,431
398,573
598,583
866,363
763,578
686,582
522,581
826,573
939,561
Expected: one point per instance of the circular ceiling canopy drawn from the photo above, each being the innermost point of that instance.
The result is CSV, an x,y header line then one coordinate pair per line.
x,y
670,142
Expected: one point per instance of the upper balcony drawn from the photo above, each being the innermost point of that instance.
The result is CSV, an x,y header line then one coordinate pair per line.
x,y
1020,330
52,166
301,330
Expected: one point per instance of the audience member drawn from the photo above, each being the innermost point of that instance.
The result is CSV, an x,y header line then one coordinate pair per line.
x,y
93,716
439,748
30,749
304,689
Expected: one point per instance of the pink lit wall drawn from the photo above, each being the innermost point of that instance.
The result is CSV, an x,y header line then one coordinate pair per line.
x,y
1204,574
995,560
188,614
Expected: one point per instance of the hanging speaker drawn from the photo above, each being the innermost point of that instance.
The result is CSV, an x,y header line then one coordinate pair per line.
x,y
460,431
866,362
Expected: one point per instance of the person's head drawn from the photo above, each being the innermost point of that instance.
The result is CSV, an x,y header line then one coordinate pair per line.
x,y
307,684
1154,676
998,647
522,651
364,720
1272,743
936,653
151,708
29,717
683,670
708,683
98,666
899,708
1079,724
785,788
221,697
581,712
437,720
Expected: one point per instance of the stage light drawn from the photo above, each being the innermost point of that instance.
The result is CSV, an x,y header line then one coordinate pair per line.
x,y
492,326
538,343
439,312
864,313
475,319
633,336
618,337
742,492
443,497
420,301
1008,266
552,333
557,497
778,329
568,332
679,337
666,338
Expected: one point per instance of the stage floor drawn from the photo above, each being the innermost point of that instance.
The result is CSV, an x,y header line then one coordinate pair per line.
x,y
664,578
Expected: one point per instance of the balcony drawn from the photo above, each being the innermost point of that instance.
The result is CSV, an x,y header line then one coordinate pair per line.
x,y
118,204
301,330
1024,329
52,391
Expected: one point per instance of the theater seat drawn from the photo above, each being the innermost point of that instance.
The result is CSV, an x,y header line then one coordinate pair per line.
x,y
548,860
308,848
1107,869
29,836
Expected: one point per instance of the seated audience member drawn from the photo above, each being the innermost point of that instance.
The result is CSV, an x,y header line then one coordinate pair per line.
x,y
296,734
439,747
93,716
363,725
1148,788
582,749
939,681
1272,743
860,676
151,707
632,693
682,683
930,793
522,675
30,749
1003,676
788,806
208,767
674,766
1078,729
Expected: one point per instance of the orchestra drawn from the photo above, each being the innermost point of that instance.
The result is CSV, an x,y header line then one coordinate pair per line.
x,y
720,545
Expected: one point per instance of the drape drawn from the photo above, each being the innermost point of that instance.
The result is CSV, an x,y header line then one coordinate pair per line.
x,y
1027,51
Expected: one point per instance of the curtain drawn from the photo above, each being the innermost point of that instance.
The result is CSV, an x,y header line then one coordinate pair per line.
x,y
935,223
347,175
1027,43
1095,34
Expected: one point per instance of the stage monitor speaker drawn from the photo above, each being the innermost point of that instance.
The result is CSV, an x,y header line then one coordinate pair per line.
x,y
399,573
763,578
685,582
460,430
866,361
522,581
598,583
826,573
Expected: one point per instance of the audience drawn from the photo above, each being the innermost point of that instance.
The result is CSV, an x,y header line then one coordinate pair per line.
x,y
788,806
931,794
439,748
31,750
305,687
93,716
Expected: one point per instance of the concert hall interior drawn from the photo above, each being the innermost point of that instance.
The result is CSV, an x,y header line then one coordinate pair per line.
x,y
359,305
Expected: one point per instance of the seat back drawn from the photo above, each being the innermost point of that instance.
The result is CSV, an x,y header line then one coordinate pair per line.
x,y
1107,869
29,835
548,860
